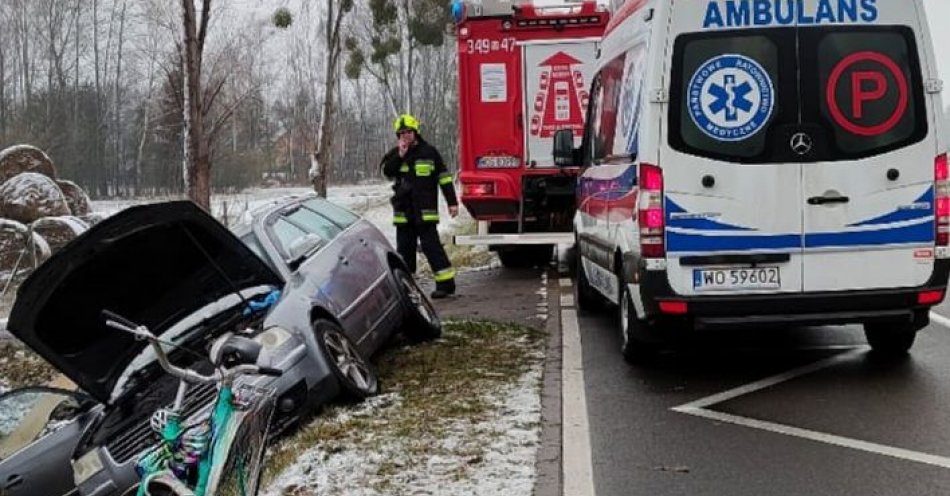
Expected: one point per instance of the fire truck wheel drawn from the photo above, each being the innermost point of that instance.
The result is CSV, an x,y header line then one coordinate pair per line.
x,y
521,257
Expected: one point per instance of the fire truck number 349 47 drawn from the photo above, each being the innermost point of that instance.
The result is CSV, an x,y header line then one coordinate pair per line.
x,y
485,45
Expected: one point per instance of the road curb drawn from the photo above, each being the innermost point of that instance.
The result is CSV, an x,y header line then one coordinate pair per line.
x,y
548,463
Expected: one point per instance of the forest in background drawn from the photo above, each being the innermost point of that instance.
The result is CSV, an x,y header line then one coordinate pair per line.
x,y
97,84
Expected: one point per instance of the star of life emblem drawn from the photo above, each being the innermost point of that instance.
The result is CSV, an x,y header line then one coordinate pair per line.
x,y
731,97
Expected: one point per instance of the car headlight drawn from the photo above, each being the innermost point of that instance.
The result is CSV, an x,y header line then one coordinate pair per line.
x,y
273,338
86,466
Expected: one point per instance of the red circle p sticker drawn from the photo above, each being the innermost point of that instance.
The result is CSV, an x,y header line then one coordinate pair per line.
x,y
878,96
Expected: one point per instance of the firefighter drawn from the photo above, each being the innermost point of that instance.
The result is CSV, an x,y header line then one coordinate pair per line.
x,y
417,171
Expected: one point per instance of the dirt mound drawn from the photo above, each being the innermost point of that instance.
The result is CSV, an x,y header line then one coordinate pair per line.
x,y
30,196
57,231
25,158
76,198
17,243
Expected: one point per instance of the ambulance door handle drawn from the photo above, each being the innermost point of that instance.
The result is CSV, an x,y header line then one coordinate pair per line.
x,y
826,200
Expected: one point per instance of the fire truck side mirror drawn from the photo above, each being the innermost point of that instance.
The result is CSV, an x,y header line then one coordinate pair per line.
x,y
564,148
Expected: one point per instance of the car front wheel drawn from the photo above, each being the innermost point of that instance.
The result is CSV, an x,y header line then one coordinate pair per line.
x,y
421,322
356,376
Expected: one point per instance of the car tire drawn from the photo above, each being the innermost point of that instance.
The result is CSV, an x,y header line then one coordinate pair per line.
x,y
421,322
893,340
586,296
355,375
635,351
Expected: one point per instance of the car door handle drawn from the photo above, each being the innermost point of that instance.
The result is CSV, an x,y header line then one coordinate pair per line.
x,y
13,481
825,200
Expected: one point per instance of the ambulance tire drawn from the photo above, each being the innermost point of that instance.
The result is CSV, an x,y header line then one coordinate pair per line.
x,y
521,257
635,351
586,296
892,340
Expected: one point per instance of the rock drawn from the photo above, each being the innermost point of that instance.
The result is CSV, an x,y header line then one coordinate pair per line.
x,y
57,231
76,198
16,243
29,196
24,158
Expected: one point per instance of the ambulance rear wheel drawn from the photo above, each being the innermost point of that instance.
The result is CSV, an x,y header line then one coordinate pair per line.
x,y
892,340
635,351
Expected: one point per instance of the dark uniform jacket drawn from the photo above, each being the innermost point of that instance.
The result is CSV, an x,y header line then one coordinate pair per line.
x,y
418,176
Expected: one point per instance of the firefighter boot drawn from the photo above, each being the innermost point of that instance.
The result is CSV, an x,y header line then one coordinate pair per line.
x,y
443,289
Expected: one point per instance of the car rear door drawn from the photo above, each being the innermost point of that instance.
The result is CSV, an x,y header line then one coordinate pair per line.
x,y
868,154
732,188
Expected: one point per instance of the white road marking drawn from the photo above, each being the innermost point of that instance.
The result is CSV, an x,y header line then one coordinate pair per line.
x,y
700,408
567,300
577,467
769,381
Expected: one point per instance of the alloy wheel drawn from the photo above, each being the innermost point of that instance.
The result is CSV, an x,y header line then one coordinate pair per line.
x,y
348,360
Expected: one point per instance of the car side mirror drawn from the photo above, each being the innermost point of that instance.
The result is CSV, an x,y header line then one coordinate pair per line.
x,y
563,148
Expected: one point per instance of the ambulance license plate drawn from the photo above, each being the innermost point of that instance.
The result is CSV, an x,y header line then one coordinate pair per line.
x,y
729,279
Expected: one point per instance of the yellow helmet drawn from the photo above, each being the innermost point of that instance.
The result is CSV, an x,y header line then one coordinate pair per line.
x,y
406,121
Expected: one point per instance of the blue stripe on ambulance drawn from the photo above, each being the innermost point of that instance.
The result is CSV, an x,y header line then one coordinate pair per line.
x,y
902,226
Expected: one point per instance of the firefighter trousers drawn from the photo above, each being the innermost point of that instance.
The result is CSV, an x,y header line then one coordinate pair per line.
x,y
411,235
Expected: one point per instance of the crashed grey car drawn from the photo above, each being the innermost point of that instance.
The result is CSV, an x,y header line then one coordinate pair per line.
x,y
320,288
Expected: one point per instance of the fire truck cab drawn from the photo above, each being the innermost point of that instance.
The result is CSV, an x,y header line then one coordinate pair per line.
x,y
524,72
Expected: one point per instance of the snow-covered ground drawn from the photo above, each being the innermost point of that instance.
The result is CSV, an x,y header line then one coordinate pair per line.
x,y
507,466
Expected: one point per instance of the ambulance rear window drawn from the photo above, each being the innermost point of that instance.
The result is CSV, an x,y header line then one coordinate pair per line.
x,y
864,86
796,95
729,90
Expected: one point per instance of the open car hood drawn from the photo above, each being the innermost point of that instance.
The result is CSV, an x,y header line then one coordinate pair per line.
x,y
153,264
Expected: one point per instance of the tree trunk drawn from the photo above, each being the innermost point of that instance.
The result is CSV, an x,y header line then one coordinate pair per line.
x,y
321,159
197,163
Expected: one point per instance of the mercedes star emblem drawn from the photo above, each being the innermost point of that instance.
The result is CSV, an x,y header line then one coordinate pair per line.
x,y
801,143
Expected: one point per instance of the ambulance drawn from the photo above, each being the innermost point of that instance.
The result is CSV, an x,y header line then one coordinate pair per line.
x,y
763,163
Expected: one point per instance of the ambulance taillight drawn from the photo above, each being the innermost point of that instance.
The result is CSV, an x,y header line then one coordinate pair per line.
x,y
942,186
650,206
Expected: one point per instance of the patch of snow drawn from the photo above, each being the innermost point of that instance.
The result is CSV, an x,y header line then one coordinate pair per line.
x,y
507,465
75,224
21,148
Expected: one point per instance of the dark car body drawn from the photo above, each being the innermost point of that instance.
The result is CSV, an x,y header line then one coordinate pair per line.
x,y
175,269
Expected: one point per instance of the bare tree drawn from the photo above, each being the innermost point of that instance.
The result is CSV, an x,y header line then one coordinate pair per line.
x,y
197,162
321,159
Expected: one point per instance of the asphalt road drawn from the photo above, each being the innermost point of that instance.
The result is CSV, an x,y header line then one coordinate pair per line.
x,y
831,421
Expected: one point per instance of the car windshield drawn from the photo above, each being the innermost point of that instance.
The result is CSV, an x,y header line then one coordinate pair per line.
x,y
300,227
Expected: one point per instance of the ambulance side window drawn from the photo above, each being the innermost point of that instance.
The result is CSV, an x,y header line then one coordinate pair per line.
x,y
588,149
608,103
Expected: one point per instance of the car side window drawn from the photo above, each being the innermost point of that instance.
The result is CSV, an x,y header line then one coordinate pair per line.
x,y
337,214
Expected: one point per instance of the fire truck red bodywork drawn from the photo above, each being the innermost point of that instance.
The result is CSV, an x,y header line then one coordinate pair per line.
x,y
505,140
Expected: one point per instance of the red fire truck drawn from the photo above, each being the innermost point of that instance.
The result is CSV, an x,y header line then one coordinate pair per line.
x,y
524,72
